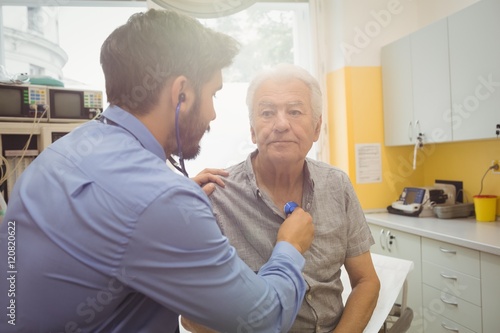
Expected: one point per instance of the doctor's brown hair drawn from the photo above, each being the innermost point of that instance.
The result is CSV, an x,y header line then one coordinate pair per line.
x,y
139,57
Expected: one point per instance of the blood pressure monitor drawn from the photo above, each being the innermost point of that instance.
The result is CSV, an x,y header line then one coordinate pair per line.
x,y
417,201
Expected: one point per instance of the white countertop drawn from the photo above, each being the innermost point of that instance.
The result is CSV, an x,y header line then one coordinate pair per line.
x,y
467,232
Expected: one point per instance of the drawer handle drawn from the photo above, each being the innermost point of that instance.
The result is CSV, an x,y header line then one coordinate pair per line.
x,y
389,240
448,302
451,277
447,251
446,327
380,239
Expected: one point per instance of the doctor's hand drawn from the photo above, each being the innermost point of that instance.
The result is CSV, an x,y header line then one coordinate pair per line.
x,y
193,327
207,179
298,230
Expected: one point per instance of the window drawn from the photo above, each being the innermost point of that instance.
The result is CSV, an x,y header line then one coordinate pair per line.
x,y
270,33
36,70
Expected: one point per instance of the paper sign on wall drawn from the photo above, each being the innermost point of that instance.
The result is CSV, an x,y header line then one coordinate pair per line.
x,y
368,163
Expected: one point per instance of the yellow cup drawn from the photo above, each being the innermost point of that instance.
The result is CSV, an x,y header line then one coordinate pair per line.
x,y
485,207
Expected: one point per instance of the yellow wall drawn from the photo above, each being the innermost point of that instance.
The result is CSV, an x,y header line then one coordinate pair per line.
x,y
356,116
337,120
467,161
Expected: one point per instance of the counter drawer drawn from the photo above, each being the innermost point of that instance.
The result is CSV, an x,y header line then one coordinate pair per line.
x,y
453,308
439,324
454,257
452,282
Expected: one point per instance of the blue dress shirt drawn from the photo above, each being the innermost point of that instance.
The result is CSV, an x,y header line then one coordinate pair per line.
x,y
100,235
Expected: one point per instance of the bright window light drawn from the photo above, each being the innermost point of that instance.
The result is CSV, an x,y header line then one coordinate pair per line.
x,y
270,33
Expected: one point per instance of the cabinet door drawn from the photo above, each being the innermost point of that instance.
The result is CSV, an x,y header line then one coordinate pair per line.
x,y
475,70
438,303
404,246
490,276
431,82
397,93
451,256
451,282
440,324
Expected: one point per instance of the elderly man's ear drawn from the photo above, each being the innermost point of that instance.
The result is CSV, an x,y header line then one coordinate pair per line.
x,y
317,130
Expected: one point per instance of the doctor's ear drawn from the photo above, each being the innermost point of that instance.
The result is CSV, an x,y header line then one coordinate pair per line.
x,y
180,90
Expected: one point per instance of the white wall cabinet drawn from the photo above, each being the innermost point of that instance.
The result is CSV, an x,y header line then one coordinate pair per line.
x,y
397,93
416,87
431,82
475,70
444,79
402,245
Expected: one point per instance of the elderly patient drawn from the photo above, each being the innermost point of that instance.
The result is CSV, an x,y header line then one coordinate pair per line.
x,y
285,117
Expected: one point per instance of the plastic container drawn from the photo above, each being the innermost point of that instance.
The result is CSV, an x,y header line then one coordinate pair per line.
x,y
453,211
485,207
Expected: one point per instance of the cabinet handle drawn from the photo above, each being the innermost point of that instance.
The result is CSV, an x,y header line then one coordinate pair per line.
x,y
448,302
417,126
447,251
451,277
388,240
446,327
380,239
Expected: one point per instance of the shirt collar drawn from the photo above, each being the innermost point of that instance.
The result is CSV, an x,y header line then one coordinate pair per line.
x,y
134,126
248,168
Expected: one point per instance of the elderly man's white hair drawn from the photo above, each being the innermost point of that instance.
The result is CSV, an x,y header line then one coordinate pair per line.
x,y
287,72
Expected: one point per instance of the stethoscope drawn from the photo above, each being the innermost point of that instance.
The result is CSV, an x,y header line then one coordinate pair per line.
x,y
179,166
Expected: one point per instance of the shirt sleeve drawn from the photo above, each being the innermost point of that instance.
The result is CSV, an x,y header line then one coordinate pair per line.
x,y
178,257
360,238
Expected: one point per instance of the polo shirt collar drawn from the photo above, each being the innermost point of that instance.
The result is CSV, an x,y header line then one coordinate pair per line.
x,y
308,185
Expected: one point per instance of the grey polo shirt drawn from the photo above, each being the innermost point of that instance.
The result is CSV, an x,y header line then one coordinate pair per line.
x,y
250,220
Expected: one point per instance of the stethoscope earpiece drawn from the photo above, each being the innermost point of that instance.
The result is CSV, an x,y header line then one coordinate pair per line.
x,y
182,97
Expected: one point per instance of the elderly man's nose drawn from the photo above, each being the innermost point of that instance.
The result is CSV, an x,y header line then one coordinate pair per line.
x,y
281,123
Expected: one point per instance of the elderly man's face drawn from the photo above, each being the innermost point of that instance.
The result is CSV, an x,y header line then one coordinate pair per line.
x,y
283,126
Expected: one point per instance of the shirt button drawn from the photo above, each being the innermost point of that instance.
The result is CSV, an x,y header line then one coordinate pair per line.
x,y
309,297
318,328
308,206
